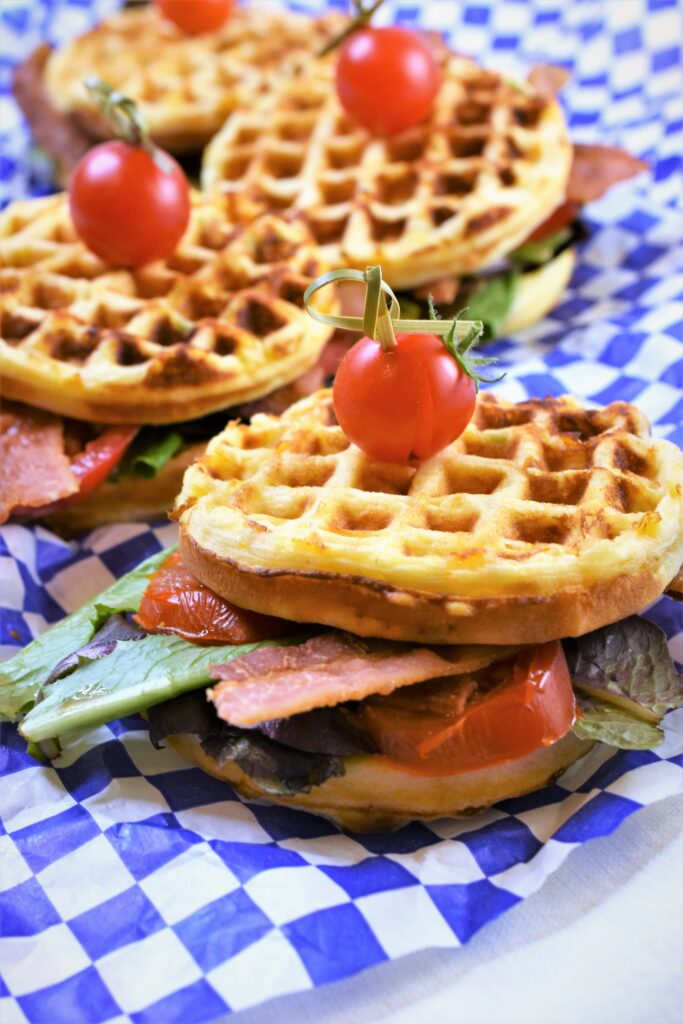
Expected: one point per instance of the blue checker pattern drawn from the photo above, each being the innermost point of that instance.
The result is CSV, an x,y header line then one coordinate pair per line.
x,y
117,922
175,878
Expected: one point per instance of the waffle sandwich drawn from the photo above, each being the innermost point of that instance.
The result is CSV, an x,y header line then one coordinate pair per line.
x,y
186,85
504,565
219,323
477,205
543,519
450,196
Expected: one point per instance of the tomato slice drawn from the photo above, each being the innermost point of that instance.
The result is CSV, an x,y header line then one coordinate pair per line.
x,y
177,602
429,732
561,217
91,467
100,457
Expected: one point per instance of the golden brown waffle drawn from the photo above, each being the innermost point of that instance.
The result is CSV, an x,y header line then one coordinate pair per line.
x,y
186,85
447,197
219,323
542,520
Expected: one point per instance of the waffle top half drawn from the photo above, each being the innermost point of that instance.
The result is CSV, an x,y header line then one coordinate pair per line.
x,y
450,196
543,520
220,322
186,85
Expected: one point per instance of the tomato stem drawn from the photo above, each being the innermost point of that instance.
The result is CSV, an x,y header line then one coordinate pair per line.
x,y
122,113
460,349
376,318
360,20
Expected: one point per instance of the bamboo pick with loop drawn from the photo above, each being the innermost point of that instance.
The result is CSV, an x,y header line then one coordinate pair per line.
x,y
382,312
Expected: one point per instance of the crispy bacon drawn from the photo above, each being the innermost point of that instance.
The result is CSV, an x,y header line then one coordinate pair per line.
x,y
675,588
548,79
596,168
328,361
34,469
56,132
278,682
444,292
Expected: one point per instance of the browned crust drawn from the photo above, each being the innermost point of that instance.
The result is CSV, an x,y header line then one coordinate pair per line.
x,y
375,795
132,499
675,588
369,608
164,410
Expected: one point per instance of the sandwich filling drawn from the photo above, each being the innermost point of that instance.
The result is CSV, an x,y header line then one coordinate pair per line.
x,y
50,463
290,705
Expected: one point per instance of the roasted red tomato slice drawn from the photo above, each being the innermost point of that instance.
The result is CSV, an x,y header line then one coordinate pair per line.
x,y
430,733
561,217
176,602
100,457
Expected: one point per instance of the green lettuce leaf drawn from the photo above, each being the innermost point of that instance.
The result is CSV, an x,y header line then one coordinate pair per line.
x,y
626,682
538,253
137,674
490,302
149,453
22,677
616,727
276,767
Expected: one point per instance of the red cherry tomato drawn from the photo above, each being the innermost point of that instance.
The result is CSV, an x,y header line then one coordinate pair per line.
x,y
531,708
128,206
196,16
387,79
404,404
176,602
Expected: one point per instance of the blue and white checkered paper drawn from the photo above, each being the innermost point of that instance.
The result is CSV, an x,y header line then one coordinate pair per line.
x,y
133,887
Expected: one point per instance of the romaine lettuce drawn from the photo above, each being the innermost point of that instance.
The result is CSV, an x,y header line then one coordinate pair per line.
x,y
22,676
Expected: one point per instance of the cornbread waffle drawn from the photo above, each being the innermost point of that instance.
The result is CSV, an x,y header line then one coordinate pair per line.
x,y
543,520
219,323
447,197
186,86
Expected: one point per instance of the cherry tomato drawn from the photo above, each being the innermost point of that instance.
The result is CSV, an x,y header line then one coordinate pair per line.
x,y
128,206
387,79
176,602
532,707
196,16
404,404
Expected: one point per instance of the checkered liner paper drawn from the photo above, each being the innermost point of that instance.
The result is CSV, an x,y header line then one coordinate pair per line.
x,y
136,888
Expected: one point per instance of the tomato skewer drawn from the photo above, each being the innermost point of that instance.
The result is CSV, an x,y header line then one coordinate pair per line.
x,y
403,397
387,78
129,200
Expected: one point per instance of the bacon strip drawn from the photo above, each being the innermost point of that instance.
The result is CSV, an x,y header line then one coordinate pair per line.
x,y
34,470
596,168
328,363
675,588
54,131
278,682
548,79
